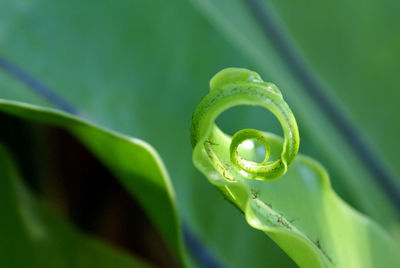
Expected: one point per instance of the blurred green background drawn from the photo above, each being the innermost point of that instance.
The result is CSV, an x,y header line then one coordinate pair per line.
x,y
141,67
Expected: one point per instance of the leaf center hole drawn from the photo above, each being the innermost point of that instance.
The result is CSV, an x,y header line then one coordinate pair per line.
x,y
252,150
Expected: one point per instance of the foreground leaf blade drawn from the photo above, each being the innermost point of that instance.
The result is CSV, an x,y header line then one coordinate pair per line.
x,y
299,210
330,146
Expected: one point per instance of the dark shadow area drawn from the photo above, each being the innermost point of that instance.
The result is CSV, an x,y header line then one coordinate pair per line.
x,y
66,177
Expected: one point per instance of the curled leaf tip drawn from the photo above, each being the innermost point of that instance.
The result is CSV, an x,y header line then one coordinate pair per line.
x,y
232,87
301,213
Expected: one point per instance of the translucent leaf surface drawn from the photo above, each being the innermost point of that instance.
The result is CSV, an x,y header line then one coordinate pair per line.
x,y
299,210
324,44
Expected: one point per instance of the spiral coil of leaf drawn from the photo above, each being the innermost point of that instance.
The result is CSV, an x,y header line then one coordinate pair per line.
x,y
231,87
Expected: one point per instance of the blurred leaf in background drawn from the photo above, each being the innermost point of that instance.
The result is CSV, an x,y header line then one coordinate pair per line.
x,y
71,181
32,237
140,68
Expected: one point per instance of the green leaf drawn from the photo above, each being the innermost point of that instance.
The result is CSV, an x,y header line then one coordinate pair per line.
x,y
34,237
299,210
342,63
135,163
139,67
